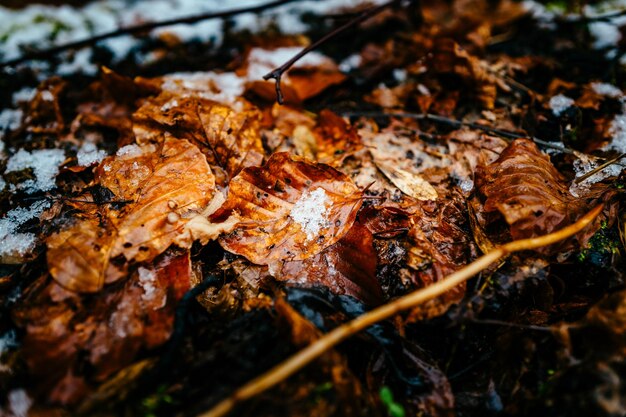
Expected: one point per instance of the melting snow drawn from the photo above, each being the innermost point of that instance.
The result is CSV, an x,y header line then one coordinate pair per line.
x,y
350,63
24,95
10,119
605,89
130,151
605,34
19,403
261,61
89,154
44,163
585,164
13,243
311,212
560,103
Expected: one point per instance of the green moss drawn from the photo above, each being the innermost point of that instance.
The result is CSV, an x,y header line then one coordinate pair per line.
x,y
605,243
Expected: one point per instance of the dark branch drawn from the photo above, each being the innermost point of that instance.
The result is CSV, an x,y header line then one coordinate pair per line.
x,y
277,73
506,134
49,53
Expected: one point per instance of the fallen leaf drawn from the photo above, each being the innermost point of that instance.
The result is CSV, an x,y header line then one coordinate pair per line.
x,y
308,77
106,331
164,188
347,267
290,209
229,137
525,188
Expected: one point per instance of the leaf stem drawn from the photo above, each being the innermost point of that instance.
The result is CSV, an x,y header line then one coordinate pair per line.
x,y
298,361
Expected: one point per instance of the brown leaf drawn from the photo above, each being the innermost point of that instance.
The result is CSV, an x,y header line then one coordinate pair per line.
x,y
329,142
66,332
291,209
308,77
347,267
229,138
533,197
449,58
164,189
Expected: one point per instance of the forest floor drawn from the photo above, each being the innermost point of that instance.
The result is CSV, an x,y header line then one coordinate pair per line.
x,y
169,231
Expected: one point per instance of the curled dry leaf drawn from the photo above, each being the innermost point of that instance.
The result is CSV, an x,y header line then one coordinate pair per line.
x,y
347,267
165,188
290,209
533,197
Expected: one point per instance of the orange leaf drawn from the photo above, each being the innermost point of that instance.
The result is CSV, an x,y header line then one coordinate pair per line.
x,y
291,209
165,189
347,267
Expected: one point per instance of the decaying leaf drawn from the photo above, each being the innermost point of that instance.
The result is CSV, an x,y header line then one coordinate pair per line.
x,y
347,267
309,77
66,331
450,58
290,209
410,184
228,136
162,188
533,197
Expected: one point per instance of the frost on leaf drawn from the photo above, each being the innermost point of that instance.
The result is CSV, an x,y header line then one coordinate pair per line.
x,y
525,188
161,190
290,209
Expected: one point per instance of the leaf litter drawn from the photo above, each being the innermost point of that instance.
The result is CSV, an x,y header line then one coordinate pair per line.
x,y
130,194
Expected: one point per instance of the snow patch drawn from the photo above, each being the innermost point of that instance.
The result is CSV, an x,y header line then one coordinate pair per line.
x,y
10,119
147,280
261,61
606,89
129,151
24,95
585,164
12,243
19,403
89,154
560,103
350,63
311,212
606,35
44,163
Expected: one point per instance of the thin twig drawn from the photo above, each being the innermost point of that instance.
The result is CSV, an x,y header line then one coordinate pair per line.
x,y
296,362
507,134
598,168
51,52
277,73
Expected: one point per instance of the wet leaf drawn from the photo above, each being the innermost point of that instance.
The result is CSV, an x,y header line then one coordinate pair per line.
x,y
525,188
347,267
229,138
164,188
106,331
290,209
